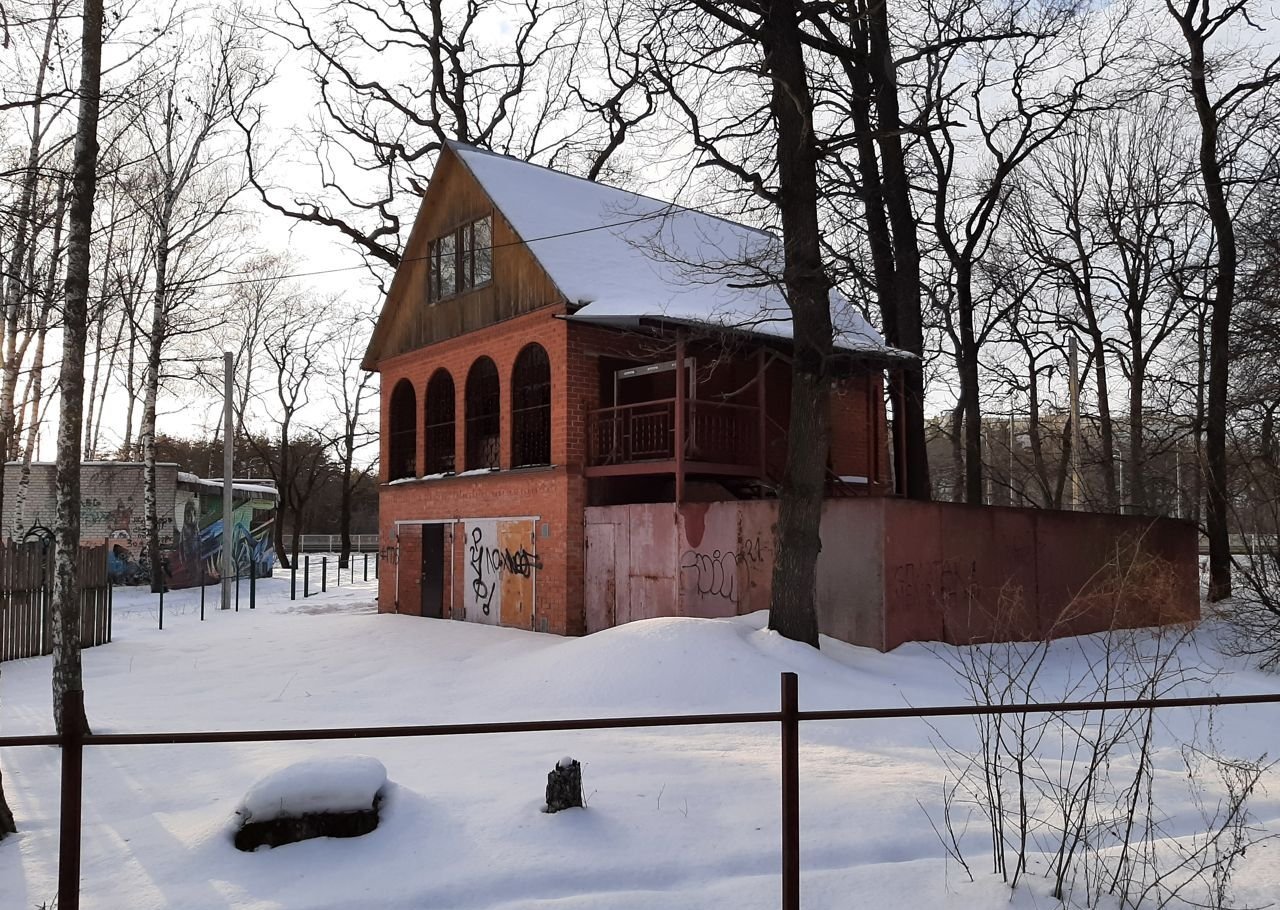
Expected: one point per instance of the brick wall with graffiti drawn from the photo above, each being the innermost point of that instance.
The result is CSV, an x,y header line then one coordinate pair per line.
x,y
111,505
113,509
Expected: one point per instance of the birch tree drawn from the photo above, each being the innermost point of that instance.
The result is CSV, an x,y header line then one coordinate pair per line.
x,y
67,672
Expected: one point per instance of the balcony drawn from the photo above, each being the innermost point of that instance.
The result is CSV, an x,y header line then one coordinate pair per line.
x,y
658,437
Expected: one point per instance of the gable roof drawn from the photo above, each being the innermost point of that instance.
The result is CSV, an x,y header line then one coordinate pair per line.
x,y
622,258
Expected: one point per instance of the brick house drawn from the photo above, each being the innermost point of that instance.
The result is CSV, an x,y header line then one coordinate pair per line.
x,y
528,350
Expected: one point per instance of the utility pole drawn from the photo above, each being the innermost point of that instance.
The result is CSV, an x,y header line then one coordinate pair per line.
x,y
228,468
1073,361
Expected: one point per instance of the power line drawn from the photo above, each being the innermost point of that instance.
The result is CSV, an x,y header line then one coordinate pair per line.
x,y
670,207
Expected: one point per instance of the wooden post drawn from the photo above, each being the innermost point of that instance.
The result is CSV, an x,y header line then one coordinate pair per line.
x,y
682,394
790,793
762,454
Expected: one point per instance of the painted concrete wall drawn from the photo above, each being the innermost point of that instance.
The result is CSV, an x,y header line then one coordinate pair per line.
x,y
893,571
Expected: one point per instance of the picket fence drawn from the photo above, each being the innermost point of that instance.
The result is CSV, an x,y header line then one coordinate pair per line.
x,y
26,587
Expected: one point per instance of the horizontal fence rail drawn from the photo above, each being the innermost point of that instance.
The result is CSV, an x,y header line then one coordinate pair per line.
x,y
788,716
332,543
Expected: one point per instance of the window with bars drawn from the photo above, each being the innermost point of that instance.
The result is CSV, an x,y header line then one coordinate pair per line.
x,y
484,424
531,408
440,436
460,260
402,440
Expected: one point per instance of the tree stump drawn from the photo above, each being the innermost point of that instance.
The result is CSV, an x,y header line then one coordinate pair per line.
x,y
564,786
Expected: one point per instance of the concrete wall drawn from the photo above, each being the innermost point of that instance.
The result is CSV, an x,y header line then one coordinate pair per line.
x,y
892,571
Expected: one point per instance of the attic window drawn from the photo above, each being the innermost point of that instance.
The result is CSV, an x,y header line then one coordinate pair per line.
x,y
460,260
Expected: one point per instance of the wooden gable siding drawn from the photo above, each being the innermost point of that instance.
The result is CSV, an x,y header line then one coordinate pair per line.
x,y
519,284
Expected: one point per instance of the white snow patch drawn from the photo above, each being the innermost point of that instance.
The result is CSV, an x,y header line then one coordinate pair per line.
x,y
336,783
566,762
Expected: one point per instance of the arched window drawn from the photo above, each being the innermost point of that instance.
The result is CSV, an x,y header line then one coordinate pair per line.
x,y
440,434
484,425
402,440
531,408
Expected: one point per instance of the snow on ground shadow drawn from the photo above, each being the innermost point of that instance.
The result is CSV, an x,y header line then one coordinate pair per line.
x,y
675,817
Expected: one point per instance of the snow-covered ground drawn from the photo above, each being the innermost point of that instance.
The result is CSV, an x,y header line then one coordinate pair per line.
x,y
675,818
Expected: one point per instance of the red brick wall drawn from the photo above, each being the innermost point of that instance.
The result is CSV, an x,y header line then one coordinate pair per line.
x,y
552,494
555,495
858,442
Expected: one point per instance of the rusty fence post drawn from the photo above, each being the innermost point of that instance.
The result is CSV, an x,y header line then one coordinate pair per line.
x,y
72,789
790,793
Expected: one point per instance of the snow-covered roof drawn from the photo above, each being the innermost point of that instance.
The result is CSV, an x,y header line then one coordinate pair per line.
x,y
623,258
253,489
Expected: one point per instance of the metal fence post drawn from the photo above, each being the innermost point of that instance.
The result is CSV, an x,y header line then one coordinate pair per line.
x,y
293,578
161,604
790,793
306,575
324,574
237,589
202,586
366,567
72,791
253,584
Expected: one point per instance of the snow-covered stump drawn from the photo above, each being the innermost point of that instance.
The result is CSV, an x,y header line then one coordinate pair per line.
x,y
564,786
320,797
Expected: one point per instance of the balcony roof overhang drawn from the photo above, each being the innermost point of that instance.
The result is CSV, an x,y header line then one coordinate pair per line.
x,y
767,332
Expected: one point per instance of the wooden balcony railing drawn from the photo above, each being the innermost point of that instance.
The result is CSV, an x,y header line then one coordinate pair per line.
x,y
714,433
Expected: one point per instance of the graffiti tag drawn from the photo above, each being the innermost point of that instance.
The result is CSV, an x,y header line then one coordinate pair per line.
x,y
715,573
490,563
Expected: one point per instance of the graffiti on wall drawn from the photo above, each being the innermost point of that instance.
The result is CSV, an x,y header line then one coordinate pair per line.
x,y
724,573
499,572
195,555
939,582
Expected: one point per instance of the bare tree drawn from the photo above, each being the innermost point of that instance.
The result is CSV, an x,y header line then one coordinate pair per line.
x,y
1048,68
354,392
1234,98
190,184
395,80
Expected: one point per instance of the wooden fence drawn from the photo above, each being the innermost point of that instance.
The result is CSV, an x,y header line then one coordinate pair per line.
x,y
26,586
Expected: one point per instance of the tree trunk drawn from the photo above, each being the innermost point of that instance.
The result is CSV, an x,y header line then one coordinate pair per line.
x,y
1137,444
957,452
1106,429
344,554
16,287
67,673
1224,288
96,442
126,447
147,432
7,823
906,279
970,393
793,608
